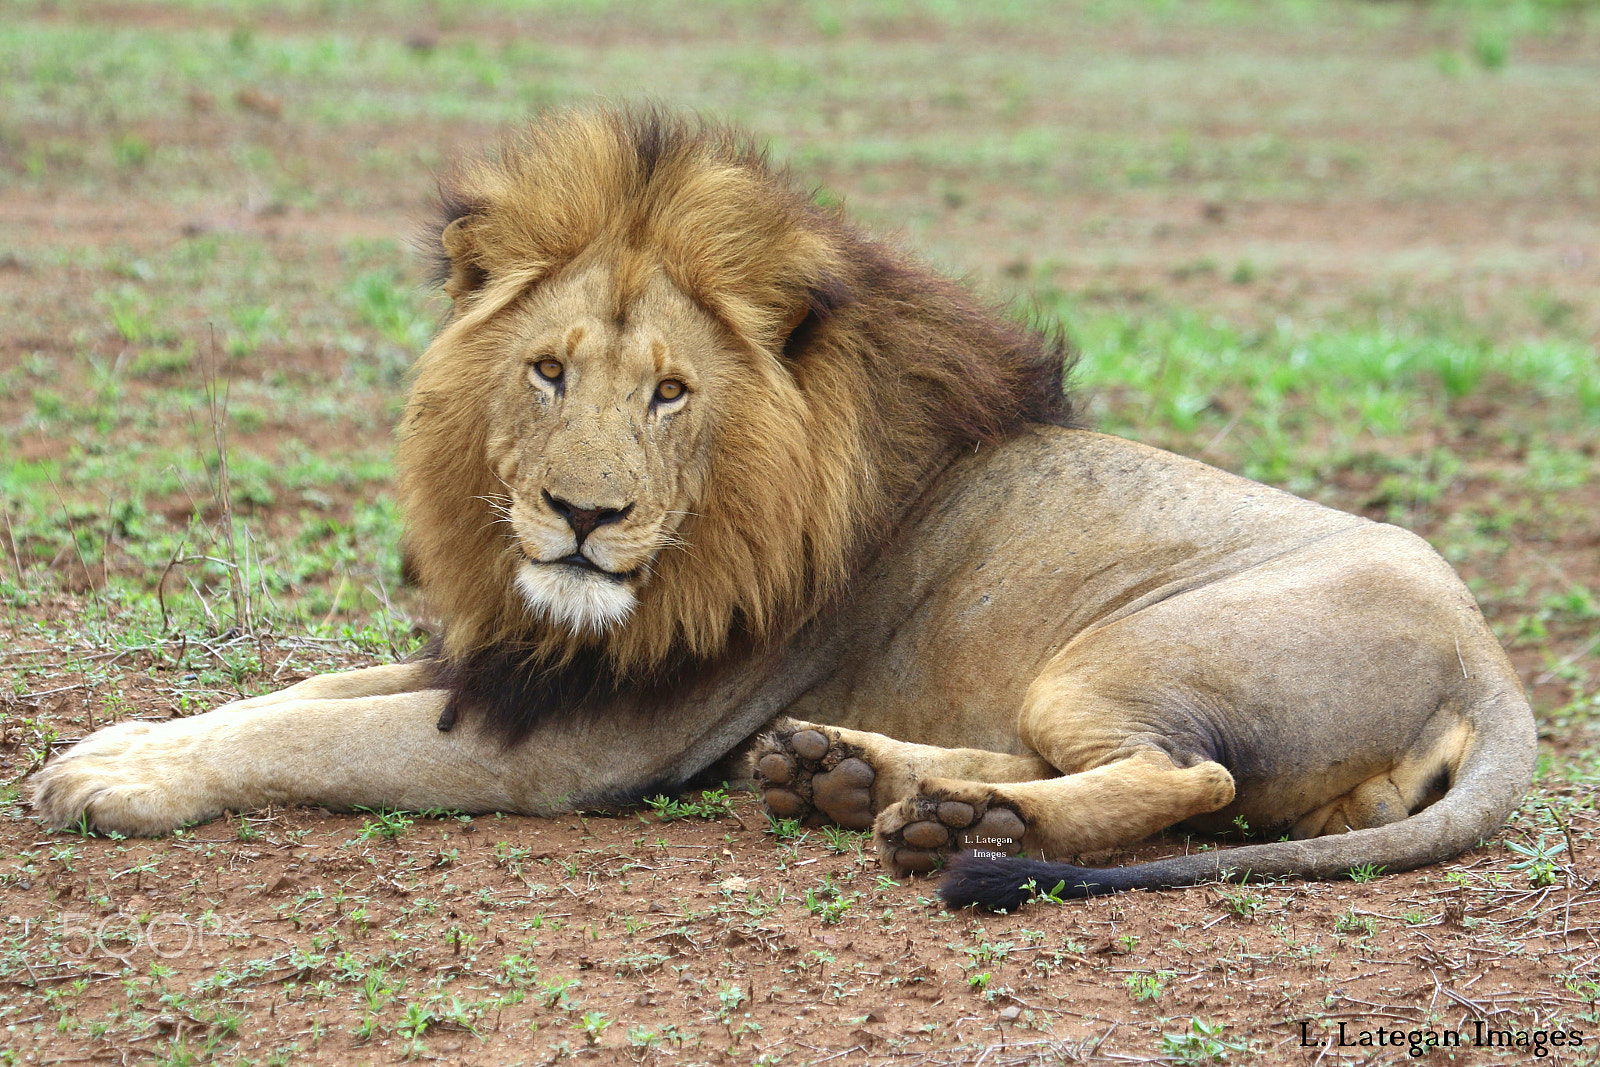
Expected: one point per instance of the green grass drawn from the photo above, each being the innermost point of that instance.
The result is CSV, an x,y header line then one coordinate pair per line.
x,y
1274,390
337,80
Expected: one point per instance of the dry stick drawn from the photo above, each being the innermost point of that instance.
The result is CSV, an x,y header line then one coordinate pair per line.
x,y
161,585
338,594
1471,1005
105,558
265,599
105,608
223,489
11,536
1566,831
388,614
51,692
72,531
1221,435
201,597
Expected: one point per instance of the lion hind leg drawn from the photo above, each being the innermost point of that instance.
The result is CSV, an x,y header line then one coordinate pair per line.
x,y
1375,802
1110,805
1414,782
821,774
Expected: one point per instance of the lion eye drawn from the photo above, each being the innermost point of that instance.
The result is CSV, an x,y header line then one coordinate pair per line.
x,y
549,369
670,389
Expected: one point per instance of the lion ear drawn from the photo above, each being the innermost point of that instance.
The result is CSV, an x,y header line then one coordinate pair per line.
x,y
465,275
801,322
792,322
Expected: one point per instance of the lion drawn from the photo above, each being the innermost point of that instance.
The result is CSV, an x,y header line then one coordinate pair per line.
x,y
695,470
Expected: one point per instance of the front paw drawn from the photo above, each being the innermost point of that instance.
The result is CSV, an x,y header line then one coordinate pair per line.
x,y
807,773
134,778
918,834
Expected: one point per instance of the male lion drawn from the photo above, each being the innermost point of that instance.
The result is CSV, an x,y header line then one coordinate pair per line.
x,y
692,453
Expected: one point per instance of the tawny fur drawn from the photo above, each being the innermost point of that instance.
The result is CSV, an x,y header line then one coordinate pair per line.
x,y
845,510
834,430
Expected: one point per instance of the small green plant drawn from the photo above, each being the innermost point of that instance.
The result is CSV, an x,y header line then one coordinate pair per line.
x,y
713,804
1366,872
989,952
1243,901
729,997
641,1038
510,856
1539,861
1148,985
1201,1043
1349,922
593,1024
1056,894
828,903
1491,49
416,1022
556,992
386,825
784,829
839,840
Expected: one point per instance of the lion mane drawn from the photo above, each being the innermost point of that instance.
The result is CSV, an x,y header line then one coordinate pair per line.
x,y
864,375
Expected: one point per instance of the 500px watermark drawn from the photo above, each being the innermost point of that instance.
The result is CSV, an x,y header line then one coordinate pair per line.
x,y
167,935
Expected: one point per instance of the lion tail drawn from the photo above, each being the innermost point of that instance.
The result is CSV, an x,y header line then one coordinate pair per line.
x,y
1493,775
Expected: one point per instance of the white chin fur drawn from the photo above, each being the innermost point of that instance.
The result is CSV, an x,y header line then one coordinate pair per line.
x,y
574,599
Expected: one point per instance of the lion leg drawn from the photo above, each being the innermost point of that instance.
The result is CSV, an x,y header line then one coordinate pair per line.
x,y
1122,801
1119,776
828,774
1375,802
345,685
149,778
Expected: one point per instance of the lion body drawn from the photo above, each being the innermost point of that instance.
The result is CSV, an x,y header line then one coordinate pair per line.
x,y
693,457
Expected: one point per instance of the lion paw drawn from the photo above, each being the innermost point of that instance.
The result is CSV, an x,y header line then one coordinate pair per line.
x,y
916,835
807,773
132,778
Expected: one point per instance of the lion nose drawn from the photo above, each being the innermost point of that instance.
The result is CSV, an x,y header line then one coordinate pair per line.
x,y
584,520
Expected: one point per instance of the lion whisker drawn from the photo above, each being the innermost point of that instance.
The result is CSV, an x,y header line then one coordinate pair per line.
x,y
669,541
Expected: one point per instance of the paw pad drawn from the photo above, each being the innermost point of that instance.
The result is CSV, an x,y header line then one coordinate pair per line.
x,y
932,829
809,776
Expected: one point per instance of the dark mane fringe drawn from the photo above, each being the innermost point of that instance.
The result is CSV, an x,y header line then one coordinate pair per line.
x,y
511,691
980,375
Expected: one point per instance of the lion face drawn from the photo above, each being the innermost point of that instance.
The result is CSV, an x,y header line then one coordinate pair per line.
x,y
676,404
600,438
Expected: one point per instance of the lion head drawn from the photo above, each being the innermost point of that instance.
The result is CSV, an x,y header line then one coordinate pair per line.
x,y
676,402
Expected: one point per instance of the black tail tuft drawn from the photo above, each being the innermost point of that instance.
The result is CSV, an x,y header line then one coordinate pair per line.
x,y
1007,884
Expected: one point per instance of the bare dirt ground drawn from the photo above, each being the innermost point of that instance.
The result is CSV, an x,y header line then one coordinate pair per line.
x,y
695,933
